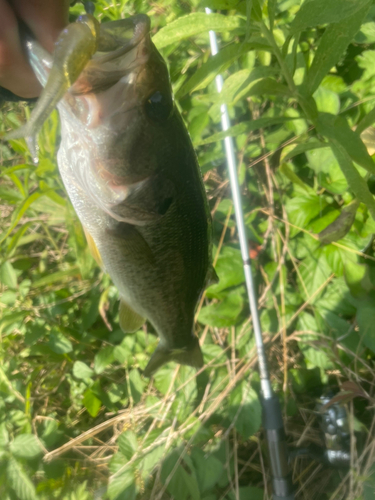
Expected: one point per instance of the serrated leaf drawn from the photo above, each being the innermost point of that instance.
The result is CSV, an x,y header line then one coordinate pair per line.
x,y
194,24
127,443
91,402
181,481
316,12
19,482
82,371
245,410
208,469
334,41
25,446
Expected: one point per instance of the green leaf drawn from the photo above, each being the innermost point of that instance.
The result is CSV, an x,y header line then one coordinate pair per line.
x,y
137,385
314,271
357,184
19,482
58,276
316,12
194,24
301,210
122,486
4,435
8,276
182,484
288,172
357,278
82,371
127,443
245,410
335,40
244,128
25,446
104,358
340,226
215,64
366,121
208,469
366,61
19,211
91,402
366,320
327,101
229,268
59,343
302,148
224,313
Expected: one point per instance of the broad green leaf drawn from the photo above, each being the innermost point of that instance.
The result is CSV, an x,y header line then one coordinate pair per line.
x,y
82,371
314,272
91,402
245,410
182,483
366,320
316,12
229,268
224,313
4,435
137,384
25,446
327,101
59,343
122,486
8,275
194,24
208,469
357,184
302,209
127,443
366,61
246,493
357,277
104,358
19,482
334,41
215,64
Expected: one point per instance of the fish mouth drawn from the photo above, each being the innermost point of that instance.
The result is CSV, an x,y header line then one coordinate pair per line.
x,y
125,46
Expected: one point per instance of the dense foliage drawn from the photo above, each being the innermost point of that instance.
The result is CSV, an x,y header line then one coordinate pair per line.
x,y
76,414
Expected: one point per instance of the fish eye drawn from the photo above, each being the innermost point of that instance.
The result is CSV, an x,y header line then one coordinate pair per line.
x,y
159,106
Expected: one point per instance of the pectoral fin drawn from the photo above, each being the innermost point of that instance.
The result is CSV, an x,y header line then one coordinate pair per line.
x,y
133,242
93,249
191,356
129,320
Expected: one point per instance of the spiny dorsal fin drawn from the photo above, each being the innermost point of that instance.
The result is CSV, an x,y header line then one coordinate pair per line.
x,y
129,320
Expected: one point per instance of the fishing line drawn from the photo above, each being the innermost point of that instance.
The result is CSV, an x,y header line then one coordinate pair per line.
x,y
272,416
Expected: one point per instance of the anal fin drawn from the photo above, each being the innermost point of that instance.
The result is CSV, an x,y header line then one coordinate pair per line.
x,y
129,320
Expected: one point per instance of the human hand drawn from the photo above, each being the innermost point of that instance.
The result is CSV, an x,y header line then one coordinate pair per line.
x,y
46,19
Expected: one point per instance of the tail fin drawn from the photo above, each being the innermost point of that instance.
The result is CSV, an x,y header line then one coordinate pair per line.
x,y
191,356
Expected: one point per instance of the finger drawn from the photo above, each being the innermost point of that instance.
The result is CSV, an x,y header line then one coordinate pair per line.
x,y
45,18
15,72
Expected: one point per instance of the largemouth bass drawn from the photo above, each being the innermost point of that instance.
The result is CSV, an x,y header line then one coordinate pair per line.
x,y
131,173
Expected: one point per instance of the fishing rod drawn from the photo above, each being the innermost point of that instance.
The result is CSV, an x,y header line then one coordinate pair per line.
x,y
272,417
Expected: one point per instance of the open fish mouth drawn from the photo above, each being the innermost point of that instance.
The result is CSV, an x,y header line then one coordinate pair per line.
x,y
124,46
